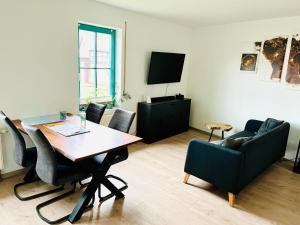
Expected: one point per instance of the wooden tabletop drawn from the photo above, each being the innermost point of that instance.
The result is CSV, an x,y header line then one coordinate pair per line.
x,y
99,140
219,126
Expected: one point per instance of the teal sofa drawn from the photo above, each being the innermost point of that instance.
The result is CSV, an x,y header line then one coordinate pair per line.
x,y
231,170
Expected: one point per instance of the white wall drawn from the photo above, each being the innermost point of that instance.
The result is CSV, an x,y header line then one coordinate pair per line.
x,y
220,92
38,64
38,57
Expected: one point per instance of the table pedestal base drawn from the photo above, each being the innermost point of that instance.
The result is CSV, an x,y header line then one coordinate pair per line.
x,y
98,178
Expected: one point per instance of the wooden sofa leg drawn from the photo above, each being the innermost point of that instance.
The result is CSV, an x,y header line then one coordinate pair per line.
x,y
231,198
186,178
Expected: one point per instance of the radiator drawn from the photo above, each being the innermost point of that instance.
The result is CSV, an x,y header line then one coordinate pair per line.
x,y
1,149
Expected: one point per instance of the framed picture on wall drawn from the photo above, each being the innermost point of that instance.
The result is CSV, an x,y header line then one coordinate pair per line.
x,y
293,66
249,62
273,58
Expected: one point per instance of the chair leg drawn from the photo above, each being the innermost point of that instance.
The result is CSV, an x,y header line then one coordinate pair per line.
x,y
50,201
104,198
29,178
83,185
186,178
231,198
31,174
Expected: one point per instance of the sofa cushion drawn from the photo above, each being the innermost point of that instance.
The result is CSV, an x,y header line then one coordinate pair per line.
x,y
235,140
268,125
234,143
243,133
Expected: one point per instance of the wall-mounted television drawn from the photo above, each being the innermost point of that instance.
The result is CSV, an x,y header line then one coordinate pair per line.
x,y
165,67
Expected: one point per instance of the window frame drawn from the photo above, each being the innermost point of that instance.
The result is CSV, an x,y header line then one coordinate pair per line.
x,y
96,30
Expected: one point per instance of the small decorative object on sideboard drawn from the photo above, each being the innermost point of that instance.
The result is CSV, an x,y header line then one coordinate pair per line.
x,y
179,96
297,161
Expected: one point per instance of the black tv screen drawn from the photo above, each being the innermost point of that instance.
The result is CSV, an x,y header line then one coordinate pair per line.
x,y
165,67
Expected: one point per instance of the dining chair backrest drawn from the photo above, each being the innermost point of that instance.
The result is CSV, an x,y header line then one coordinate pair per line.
x,y
19,142
94,112
121,120
46,160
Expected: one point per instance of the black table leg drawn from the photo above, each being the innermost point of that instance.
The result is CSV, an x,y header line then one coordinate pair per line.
x,y
85,198
97,178
222,134
211,133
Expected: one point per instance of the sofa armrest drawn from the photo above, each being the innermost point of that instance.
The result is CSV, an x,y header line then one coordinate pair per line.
x,y
214,164
253,125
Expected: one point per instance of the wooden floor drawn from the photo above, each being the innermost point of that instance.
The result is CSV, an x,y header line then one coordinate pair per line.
x,y
156,194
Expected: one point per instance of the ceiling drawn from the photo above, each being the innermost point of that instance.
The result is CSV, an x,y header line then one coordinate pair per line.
x,y
210,12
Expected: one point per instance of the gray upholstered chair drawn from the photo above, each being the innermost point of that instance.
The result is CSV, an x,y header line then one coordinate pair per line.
x,y
25,157
55,169
121,121
94,112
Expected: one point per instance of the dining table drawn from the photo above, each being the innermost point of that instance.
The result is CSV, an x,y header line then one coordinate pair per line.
x,y
97,139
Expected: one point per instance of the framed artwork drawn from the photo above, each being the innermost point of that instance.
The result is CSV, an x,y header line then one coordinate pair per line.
x,y
248,62
276,59
257,46
272,58
293,68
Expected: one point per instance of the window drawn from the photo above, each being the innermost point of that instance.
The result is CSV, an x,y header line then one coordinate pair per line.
x,y
96,63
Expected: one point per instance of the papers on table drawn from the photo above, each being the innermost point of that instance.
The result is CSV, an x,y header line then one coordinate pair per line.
x,y
69,129
53,118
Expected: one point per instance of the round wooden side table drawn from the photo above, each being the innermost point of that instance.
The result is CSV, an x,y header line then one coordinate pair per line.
x,y
218,126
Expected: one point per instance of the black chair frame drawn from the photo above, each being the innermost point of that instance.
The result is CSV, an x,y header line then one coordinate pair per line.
x,y
31,175
55,199
29,178
108,196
